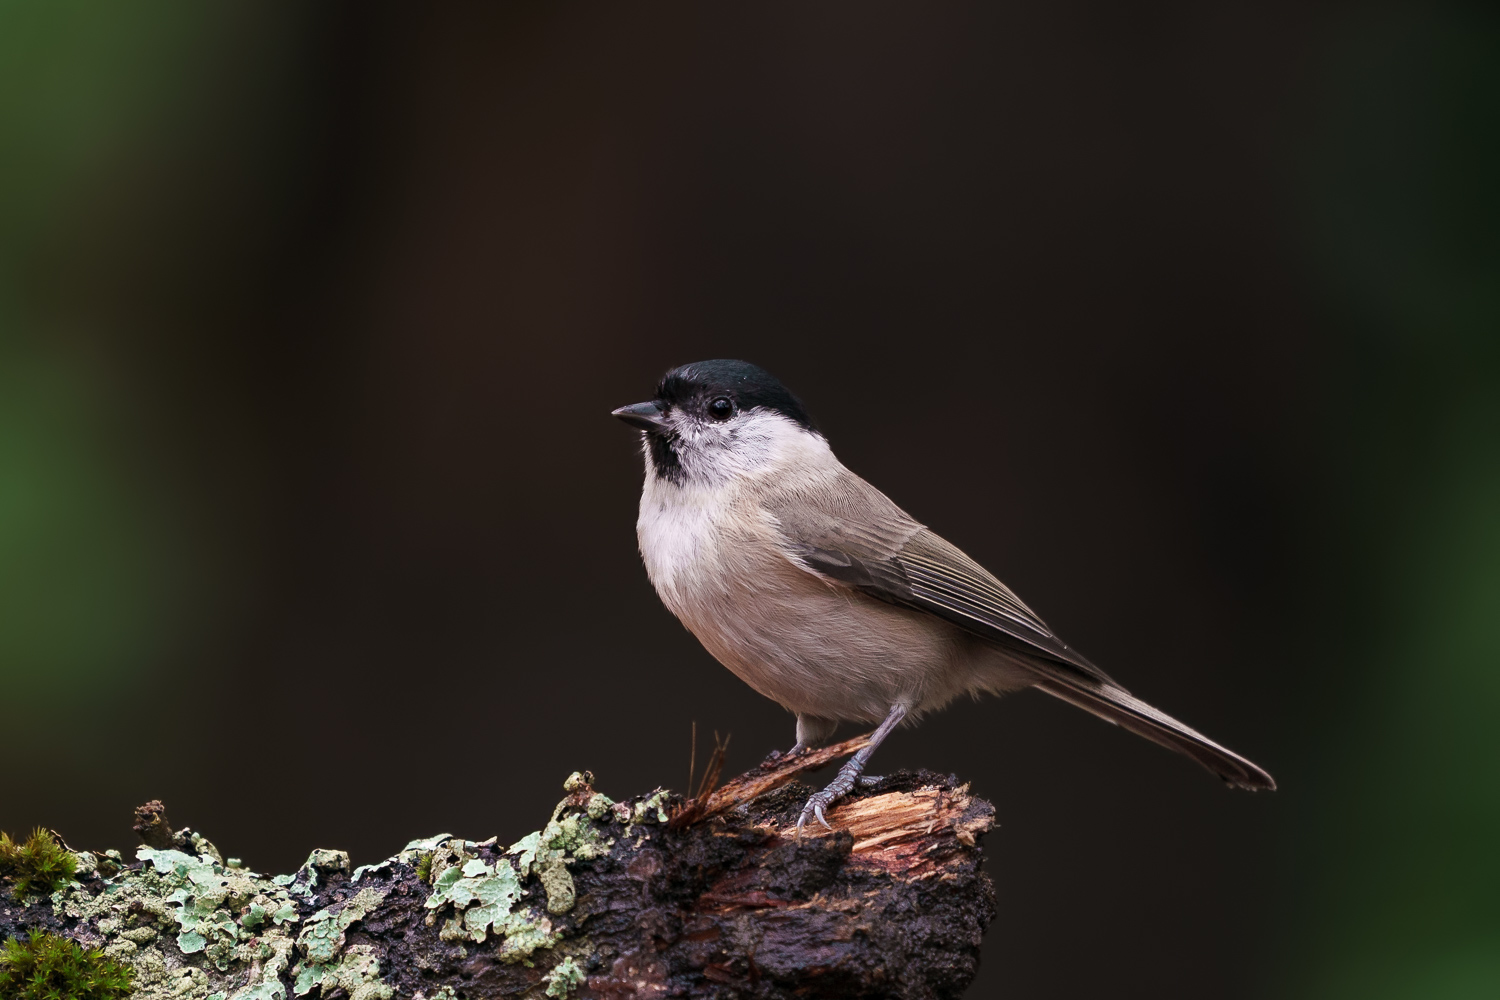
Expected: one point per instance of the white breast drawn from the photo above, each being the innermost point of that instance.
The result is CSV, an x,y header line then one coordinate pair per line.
x,y
678,530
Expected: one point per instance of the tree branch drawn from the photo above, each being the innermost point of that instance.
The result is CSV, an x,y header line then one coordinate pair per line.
x,y
657,896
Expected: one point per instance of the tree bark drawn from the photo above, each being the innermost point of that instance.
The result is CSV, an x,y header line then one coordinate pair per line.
x,y
713,896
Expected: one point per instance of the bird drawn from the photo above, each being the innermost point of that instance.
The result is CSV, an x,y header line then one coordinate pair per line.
x,y
824,596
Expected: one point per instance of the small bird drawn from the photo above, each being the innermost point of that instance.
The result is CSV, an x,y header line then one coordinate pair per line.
x,y
824,596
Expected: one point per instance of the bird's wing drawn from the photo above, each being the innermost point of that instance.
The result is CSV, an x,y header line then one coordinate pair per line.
x,y
851,534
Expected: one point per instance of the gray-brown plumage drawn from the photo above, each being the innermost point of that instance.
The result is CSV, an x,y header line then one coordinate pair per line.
x,y
822,594
872,546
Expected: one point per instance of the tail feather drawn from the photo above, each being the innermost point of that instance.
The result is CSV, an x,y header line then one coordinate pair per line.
x,y
1115,704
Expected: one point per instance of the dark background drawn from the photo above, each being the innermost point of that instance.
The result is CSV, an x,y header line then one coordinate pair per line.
x,y
1181,317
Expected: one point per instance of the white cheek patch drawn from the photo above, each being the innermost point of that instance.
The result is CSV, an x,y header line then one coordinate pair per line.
x,y
750,445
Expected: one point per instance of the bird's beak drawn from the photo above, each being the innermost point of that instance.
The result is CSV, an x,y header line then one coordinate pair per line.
x,y
646,416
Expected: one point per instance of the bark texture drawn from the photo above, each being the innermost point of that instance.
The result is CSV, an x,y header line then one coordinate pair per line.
x,y
657,896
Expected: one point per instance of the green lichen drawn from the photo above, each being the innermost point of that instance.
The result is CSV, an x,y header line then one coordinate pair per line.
x,y
38,865
526,850
548,853
305,879
48,967
188,923
565,977
327,862
483,895
578,838
238,921
357,973
364,870
487,899
558,884
571,838
322,941
416,847
652,808
434,861
201,845
207,898
524,936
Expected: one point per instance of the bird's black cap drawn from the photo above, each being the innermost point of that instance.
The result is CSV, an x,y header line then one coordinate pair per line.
x,y
749,386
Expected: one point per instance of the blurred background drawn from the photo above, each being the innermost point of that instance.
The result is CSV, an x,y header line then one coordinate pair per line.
x,y
1181,317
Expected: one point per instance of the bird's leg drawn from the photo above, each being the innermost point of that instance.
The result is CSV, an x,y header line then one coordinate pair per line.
x,y
811,731
850,772
777,756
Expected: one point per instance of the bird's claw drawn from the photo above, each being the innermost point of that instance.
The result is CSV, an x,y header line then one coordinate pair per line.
x,y
815,806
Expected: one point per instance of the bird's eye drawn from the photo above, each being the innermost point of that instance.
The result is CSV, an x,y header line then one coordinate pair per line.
x,y
721,408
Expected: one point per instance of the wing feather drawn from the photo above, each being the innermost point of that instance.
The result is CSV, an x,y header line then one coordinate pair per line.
x,y
853,534
850,533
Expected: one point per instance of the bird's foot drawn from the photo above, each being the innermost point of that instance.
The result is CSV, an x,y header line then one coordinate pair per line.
x,y
866,780
837,789
815,806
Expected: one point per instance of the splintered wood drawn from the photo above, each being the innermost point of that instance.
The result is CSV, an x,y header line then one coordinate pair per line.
x,y
900,832
755,783
908,833
881,820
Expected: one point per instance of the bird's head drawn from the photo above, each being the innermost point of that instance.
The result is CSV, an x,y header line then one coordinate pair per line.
x,y
711,421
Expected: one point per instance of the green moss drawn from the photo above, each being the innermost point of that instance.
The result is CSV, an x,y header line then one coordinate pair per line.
x,y
48,967
39,865
424,867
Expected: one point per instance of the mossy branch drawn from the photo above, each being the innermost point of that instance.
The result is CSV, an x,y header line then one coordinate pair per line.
x,y
657,896
39,864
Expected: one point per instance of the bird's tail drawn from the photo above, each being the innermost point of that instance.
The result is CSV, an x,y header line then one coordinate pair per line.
x,y
1114,704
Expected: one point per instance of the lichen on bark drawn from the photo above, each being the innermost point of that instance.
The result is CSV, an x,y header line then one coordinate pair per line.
x,y
655,896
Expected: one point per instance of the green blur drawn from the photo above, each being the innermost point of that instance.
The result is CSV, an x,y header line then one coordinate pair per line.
x,y
1401,181
107,114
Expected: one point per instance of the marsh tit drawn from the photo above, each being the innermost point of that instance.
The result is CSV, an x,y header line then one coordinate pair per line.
x,y
827,598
